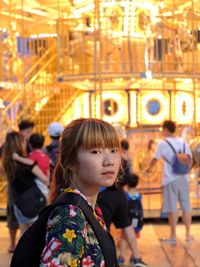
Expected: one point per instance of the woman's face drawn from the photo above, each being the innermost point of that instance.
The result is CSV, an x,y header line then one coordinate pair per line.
x,y
98,166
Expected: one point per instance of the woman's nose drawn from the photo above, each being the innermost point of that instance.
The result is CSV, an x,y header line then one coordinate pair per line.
x,y
108,161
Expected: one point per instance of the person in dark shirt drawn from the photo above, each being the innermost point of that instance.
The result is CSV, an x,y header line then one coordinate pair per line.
x,y
114,205
20,177
55,130
26,129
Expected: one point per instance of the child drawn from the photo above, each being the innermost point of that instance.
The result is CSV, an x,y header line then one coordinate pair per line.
x,y
135,209
37,155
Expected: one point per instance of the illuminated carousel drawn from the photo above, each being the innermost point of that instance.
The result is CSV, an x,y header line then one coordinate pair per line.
x,y
132,63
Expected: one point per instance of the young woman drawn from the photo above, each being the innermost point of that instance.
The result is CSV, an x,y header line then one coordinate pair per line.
x,y
20,176
89,159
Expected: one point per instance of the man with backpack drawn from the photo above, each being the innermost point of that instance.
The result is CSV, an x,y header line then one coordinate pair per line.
x,y
177,159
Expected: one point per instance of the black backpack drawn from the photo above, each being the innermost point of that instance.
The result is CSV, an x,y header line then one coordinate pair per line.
x,y
136,212
30,246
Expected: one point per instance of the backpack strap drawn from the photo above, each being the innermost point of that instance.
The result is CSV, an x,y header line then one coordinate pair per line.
x,y
173,149
184,147
104,238
31,244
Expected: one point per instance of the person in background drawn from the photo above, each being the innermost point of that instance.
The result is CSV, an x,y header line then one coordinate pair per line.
x,y
89,159
114,205
175,187
135,211
40,158
55,130
21,177
26,128
126,160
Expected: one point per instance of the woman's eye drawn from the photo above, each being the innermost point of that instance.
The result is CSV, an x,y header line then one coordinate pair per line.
x,y
114,150
96,151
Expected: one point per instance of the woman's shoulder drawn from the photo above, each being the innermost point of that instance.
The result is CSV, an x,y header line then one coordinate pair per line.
x,y
66,214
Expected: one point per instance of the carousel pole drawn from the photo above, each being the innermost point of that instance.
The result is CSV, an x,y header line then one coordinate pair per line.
x,y
194,73
97,57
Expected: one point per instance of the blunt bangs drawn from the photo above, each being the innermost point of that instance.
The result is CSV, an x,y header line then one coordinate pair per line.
x,y
98,133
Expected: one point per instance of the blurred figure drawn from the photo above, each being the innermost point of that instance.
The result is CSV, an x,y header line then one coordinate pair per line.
x,y
37,155
40,158
126,160
135,210
175,187
20,176
26,129
187,134
55,130
147,155
114,205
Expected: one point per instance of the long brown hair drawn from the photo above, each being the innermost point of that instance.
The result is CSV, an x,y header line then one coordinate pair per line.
x,y
86,133
14,142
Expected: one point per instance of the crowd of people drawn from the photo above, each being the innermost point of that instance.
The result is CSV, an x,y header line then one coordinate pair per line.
x,y
88,161
25,163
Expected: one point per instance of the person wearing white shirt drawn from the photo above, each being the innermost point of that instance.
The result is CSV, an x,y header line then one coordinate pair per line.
x,y
175,186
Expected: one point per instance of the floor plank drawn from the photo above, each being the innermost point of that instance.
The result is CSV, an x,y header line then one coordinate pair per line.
x,y
151,249
177,254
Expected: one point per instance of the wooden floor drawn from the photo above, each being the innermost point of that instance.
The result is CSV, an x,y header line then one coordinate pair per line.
x,y
153,252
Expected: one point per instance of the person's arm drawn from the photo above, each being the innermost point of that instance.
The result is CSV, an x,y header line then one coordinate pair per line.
x,y
151,165
158,155
39,174
23,160
35,170
48,174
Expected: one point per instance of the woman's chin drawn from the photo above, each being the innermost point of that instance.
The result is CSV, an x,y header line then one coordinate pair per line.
x,y
108,183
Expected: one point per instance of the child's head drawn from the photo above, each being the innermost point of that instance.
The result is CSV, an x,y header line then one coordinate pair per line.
x,y
55,130
132,180
36,141
124,144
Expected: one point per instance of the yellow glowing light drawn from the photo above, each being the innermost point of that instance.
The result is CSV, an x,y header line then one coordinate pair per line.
x,y
37,107
184,108
163,100
133,109
97,106
198,110
2,106
44,101
121,115
77,108
86,105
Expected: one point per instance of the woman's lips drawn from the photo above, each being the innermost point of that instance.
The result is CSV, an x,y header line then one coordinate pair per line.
x,y
108,173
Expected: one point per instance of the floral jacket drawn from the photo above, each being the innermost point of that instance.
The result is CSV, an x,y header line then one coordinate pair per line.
x,y
70,240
